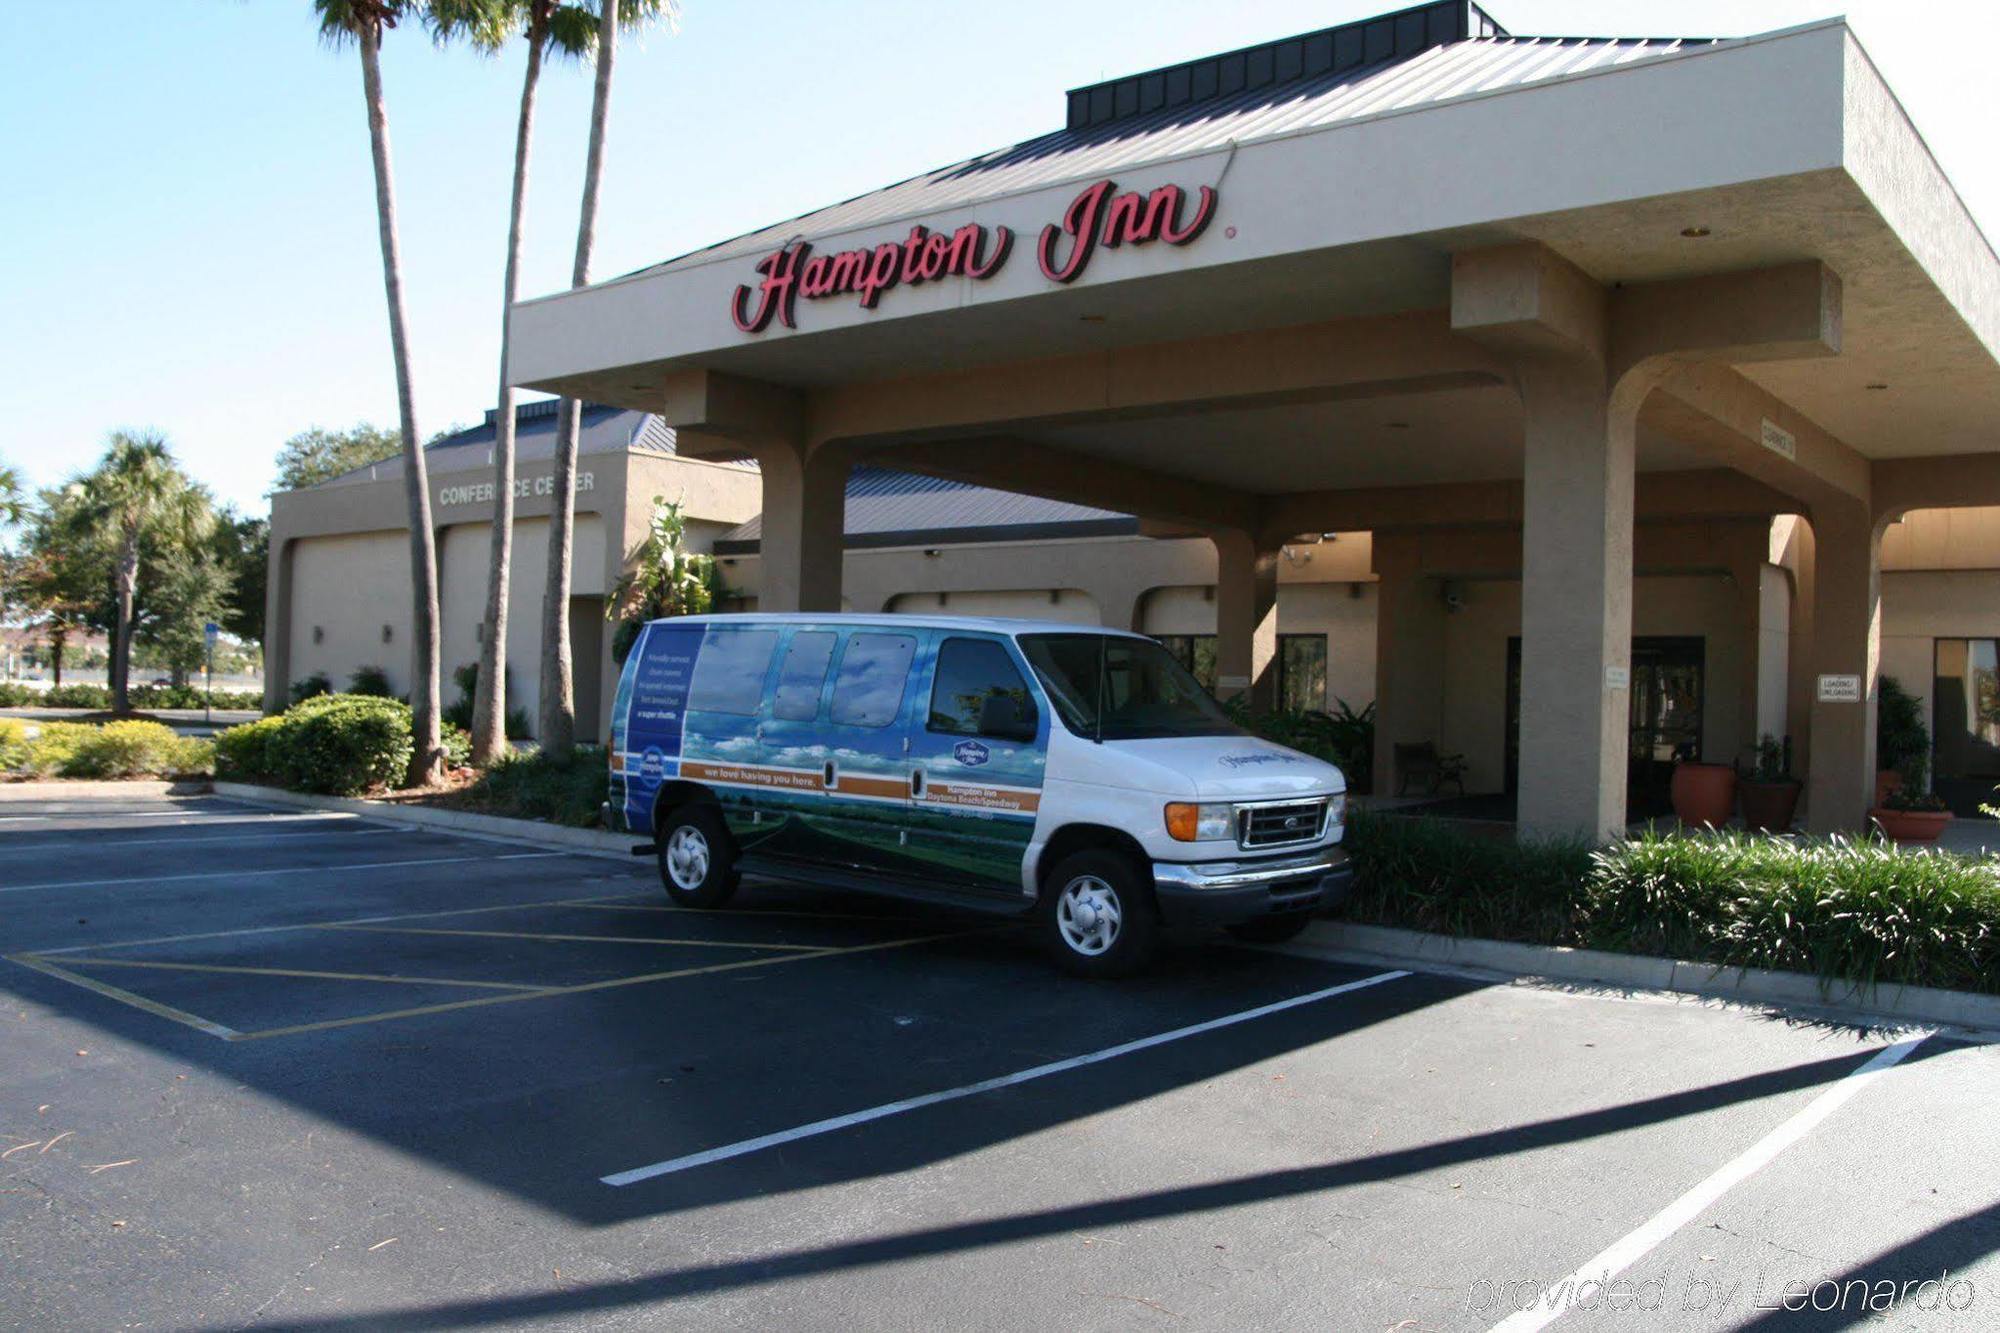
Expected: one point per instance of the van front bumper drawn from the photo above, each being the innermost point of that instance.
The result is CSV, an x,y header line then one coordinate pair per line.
x,y
1220,893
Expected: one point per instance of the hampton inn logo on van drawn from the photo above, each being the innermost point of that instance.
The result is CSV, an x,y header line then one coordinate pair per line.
x,y
971,753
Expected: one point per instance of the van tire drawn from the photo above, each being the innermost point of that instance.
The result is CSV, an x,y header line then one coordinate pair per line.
x,y
1271,929
697,859
1083,890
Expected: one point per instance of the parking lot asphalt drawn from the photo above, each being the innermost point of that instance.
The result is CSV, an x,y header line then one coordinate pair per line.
x,y
280,1069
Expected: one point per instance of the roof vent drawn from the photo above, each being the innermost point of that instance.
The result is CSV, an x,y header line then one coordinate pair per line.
x,y
1378,41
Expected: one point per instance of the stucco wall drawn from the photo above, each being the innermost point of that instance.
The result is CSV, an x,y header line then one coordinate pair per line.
x,y
345,590
464,551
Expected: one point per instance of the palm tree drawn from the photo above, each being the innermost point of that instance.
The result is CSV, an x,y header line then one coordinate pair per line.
x,y
363,23
557,727
136,497
13,508
569,30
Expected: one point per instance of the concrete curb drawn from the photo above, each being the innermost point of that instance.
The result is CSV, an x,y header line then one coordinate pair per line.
x,y
1750,985
42,791
533,833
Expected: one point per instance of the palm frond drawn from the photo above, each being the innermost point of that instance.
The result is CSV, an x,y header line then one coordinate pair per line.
x,y
484,25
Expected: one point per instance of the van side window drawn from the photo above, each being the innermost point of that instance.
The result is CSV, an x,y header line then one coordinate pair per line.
x,y
868,691
729,674
971,675
803,673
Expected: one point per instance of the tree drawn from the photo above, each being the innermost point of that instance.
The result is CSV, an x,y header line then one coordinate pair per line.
x,y
558,698
363,23
317,455
666,580
242,547
187,588
136,498
564,29
61,575
13,503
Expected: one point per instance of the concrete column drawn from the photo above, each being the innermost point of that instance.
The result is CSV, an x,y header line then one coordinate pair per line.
x,y
1409,657
1576,601
1246,619
805,509
1846,641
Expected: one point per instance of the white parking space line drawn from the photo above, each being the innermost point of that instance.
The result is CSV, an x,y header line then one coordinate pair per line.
x,y
1555,1300
247,837
287,870
828,1126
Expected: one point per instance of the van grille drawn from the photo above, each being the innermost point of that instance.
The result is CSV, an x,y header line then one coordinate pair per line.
x,y
1280,825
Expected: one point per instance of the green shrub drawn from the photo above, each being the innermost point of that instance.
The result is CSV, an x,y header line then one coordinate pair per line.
x,y
311,687
372,681
533,785
116,750
15,695
77,696
247,753
13,744
459,711
1847,911
457,744
343,744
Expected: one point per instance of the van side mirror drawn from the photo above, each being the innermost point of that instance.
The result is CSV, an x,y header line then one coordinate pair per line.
x,y
1001,718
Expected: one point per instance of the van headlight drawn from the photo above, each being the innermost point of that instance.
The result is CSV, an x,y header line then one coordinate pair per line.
x,y
1188,822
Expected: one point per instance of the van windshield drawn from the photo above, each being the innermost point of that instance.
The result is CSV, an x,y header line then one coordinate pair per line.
x,y
1111,688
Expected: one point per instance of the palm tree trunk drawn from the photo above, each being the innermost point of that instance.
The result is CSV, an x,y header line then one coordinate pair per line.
x,y
56,645
558,704
489,700
128,596
427,757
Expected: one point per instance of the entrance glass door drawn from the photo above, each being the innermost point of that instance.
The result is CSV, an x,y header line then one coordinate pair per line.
x,y
1965,724
1668,678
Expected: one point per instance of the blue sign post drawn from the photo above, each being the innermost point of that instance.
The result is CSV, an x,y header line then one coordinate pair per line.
x,y
211,631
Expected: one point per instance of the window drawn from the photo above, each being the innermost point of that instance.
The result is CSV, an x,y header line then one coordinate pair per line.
x,y
1196,652
1301,672
868,691
803,673
1115,688
729,674
969,673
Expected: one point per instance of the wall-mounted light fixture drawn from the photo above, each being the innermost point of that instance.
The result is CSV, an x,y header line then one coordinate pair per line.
x,y
319,634
388,633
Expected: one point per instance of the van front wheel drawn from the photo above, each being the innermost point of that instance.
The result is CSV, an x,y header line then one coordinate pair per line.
x,y
697,864
1098,916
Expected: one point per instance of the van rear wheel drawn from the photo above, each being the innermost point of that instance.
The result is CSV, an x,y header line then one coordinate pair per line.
x,y
697,860
1098,915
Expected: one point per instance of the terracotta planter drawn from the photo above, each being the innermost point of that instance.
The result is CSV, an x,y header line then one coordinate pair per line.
x,y
1911,825
1704,793
1768,807
1886,781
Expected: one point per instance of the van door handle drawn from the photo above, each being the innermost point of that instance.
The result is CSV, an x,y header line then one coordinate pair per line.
x,y
829,776
916,784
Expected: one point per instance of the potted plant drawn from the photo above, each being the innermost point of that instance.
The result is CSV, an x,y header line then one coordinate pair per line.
x,y
1703,793
1901,737
1911,813
1769,794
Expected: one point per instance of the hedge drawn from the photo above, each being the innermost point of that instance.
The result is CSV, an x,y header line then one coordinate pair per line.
x,y
113,750
1848,911
13,744
86,695
335,744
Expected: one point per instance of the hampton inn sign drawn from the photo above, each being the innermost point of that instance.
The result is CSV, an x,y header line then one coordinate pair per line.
x,y
1099,216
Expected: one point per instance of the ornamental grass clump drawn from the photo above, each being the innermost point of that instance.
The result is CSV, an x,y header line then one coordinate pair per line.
x,y
1858,912
1429,875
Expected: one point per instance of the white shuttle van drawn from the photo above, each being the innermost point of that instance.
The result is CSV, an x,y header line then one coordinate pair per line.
x,y
1008,766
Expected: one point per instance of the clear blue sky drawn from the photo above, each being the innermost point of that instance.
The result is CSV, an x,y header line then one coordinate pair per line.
x,y
190,227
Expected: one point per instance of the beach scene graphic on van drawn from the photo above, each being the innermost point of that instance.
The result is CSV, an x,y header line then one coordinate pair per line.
x,y
840,744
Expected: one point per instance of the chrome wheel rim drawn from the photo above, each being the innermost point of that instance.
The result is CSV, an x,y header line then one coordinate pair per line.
x,y
1089,915
687,857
